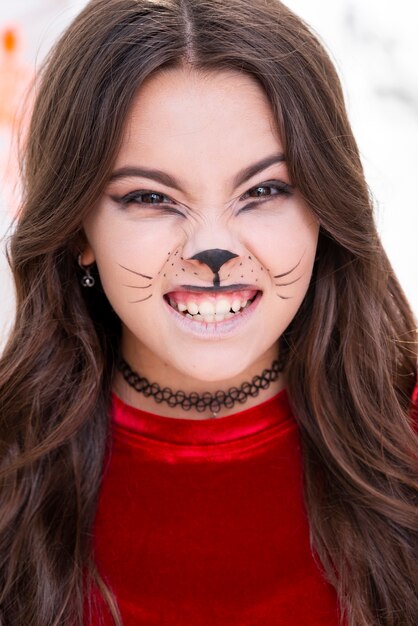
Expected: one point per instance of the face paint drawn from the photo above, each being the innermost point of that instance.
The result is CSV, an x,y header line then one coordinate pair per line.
x,y
219,269
214,259
138,286
288,284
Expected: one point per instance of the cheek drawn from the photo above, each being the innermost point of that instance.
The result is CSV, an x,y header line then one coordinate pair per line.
x,y
149,243
280,241
141,247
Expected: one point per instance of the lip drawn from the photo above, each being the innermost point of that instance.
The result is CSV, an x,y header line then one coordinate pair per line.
x,y
196,289
215,330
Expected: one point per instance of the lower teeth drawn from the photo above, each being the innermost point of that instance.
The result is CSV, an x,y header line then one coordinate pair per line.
x,y
211,318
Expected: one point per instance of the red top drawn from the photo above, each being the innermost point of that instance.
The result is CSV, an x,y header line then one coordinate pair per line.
x,y
202,522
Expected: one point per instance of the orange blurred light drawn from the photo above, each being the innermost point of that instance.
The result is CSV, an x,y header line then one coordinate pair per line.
x,y
9,40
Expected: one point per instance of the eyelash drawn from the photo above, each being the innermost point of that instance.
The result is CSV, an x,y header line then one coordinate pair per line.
x,y
283,189
132,198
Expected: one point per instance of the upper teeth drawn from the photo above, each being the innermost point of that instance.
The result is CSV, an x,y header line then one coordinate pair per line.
x,y
221,306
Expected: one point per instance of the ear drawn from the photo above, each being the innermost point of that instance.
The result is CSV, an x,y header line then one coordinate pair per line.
x,y
82,247
87,256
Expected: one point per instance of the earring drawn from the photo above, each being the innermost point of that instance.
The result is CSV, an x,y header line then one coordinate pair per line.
x,y
87,280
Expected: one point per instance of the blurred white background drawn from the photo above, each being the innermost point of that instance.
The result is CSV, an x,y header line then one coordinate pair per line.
x,y
374,46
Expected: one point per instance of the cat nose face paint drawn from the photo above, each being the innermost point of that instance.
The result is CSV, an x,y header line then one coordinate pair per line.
x,y
214,259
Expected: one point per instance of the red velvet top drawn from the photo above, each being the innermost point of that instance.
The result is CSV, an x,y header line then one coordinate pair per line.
x,y
202,522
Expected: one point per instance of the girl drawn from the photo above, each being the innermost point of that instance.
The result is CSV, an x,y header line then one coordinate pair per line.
x,y
206,400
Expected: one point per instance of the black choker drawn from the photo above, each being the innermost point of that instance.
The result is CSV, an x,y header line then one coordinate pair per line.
x,y
207,400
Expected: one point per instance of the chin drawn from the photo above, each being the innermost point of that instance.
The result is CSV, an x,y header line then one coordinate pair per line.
x,y
213,371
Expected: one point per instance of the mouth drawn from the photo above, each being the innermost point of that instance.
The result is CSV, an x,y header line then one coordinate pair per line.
x,y
211,307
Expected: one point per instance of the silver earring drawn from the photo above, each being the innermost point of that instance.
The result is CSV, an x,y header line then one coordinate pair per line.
x,y
87,280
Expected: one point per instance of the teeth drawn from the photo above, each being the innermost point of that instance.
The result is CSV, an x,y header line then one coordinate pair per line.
x,y
206,308
211,310
236,305
208,318
222,306
192,307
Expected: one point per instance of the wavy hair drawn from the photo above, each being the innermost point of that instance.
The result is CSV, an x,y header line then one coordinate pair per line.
x,y
352,345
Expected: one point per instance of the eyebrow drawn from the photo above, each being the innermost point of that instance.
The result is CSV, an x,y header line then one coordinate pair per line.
x,y
168,180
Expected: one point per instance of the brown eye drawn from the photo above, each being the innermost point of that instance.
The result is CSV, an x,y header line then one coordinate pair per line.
x,y
272,189
261,191
265,192
152,198
144,199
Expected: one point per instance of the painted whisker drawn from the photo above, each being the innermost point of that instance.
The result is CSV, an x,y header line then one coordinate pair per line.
x,y
286,284
290,271
133,272
143,299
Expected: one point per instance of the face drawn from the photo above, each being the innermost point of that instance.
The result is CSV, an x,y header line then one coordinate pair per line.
x,y
204,248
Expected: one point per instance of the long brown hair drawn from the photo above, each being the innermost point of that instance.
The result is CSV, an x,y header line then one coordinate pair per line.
x,y
352,345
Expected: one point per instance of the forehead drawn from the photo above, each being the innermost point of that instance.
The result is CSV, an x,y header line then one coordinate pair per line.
x,y
208,122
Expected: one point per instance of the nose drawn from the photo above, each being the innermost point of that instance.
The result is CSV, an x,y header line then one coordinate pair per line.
x,y
214,259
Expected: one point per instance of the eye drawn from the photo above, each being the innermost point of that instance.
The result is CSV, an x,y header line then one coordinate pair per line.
x,y
144,198
267,191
